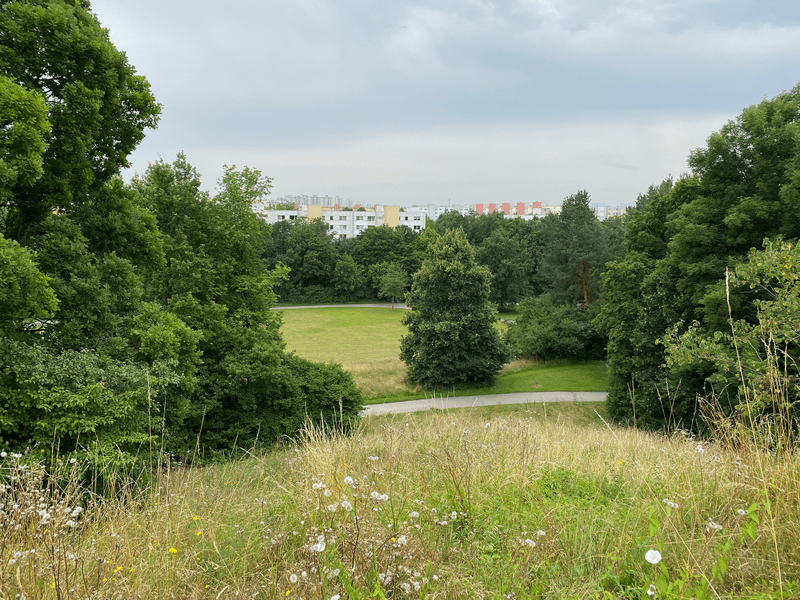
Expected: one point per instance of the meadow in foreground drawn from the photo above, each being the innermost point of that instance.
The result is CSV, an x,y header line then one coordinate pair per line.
x,y
437,505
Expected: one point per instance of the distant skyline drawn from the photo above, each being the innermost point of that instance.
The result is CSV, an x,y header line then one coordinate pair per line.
x,y
459,100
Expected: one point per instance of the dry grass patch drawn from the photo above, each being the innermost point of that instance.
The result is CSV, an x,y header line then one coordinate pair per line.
x,y
378,377
438,505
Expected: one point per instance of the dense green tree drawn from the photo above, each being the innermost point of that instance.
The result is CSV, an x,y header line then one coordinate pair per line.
x,y
745,187
97,106
760,363
477,227
451,335
26,297
451,220
511,266
311,257
575,254
394,283
23,130
97,293
348,279
245,390
545,331
77,400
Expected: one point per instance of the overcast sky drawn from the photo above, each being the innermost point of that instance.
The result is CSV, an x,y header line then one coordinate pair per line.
x,y
451,100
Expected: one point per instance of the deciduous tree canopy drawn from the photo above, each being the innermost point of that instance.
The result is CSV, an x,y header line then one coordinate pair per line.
x,y
451,334
744,187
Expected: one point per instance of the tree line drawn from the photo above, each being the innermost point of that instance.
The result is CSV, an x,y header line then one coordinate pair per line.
x,y
133,316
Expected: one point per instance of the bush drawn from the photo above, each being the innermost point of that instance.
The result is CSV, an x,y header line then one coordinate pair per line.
x,y
546,331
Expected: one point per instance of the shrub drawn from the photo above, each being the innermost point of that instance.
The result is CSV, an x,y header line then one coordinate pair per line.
x,y
546,331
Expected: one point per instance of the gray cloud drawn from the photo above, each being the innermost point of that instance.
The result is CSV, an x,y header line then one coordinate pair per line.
x,y
305,78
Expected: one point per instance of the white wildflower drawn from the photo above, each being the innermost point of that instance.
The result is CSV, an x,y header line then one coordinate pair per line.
x,y
347,506
293,578
348,480
652,590
653,557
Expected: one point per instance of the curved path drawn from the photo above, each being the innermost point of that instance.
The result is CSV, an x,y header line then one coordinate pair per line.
x,y
397,305
489,400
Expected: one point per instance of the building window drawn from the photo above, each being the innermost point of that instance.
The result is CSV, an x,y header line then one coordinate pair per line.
x,y
370,218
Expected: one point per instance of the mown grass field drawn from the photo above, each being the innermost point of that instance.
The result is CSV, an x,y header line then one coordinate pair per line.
x,y
494,503
366,342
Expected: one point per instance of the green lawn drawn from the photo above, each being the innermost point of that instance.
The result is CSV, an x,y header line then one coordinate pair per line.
x,y
366,342
344,335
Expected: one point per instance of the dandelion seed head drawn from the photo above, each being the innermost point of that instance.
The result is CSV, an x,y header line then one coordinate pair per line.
x,y
712,526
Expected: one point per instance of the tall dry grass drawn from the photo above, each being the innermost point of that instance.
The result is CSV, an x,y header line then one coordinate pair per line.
x,y
436,505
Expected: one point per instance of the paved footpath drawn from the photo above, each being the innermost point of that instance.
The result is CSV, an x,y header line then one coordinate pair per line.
x,y
490,400
397,305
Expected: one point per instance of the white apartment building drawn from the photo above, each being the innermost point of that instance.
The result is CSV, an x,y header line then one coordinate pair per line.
x,y
346,223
